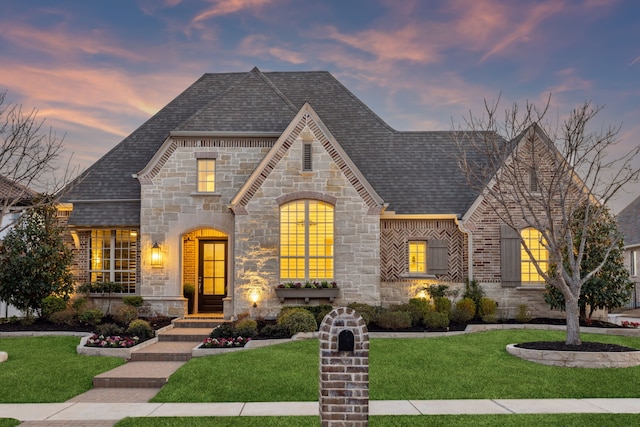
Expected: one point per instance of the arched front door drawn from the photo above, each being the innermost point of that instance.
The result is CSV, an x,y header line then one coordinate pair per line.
x,y
212,275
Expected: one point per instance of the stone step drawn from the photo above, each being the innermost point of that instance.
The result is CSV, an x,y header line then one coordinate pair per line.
x,y
165,351
184,334
137,375
207,323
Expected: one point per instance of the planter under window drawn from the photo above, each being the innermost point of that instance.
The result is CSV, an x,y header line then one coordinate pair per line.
x,y
306,293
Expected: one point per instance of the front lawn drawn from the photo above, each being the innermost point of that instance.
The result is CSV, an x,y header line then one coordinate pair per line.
x,y
47,369
471,366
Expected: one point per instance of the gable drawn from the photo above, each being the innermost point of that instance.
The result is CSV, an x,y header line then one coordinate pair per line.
x,y
629,223
306,126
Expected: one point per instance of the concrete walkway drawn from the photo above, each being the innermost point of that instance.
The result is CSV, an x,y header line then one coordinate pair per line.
x,y
55,413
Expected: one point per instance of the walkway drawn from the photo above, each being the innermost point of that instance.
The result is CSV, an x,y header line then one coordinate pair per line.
x,y
49,414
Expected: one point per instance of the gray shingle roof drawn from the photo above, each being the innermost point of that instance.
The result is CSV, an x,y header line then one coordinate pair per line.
x,y
13,192
414,172
629,223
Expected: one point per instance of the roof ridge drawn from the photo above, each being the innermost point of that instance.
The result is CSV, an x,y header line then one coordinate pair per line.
x,y
275,89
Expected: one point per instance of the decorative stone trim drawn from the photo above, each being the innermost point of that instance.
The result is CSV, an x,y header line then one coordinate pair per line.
x,y
306,293
577,359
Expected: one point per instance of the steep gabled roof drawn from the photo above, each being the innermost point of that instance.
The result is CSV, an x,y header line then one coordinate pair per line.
x,y
629,223
414,172
13,193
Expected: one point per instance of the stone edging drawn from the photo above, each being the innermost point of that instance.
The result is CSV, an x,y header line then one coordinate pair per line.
x,y
123,353
577,359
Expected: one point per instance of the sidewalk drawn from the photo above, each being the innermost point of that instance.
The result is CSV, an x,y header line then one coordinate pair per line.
x,y
85,411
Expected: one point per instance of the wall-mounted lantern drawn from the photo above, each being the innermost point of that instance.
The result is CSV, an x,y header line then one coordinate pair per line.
x,y
156,255
254,298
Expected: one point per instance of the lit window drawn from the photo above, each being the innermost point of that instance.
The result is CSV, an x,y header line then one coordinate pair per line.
x,y
535,242
206,175
417,257
113,257
306,240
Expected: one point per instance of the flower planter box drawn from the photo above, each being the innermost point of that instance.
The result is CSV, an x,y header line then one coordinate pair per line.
x,y
306,293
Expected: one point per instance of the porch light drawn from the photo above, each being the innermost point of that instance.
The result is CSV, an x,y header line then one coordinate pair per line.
x,y
156,255
254,298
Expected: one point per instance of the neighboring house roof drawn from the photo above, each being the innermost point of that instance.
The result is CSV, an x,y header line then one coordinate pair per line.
x,y
629,223
13,193
414,172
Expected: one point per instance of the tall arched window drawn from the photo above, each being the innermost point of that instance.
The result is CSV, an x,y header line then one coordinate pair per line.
x,y
535,242
306,240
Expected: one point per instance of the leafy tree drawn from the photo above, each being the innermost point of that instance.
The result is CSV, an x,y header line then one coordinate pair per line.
x,y
34,261
610,287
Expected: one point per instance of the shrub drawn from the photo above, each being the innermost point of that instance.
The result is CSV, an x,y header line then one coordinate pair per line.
x,y
464,311
141,329
437,291
319,311
490,318
473,290
52,304
133,300
436,320
108,329
297,320
414,311
487,306
522,316
93,316
125,314
368,312
64,317
275,331
442,305
423,303
394,319
79,304
246,328
225,330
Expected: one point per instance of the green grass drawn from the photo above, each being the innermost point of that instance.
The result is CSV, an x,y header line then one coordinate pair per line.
x,y
472,366
8,422
564,420
47,369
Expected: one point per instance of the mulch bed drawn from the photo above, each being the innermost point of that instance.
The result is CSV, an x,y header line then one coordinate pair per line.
x,y
42,325
586,346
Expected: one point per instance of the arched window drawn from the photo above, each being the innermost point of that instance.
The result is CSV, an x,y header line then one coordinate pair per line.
x,y
535,242
306,240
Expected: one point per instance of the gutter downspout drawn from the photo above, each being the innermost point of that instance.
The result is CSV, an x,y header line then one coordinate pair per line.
x,y
461,225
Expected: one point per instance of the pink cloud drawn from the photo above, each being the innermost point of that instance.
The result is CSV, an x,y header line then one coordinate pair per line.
x,y
226,7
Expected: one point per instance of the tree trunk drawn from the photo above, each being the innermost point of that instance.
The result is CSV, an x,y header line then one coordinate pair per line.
x,y
573,320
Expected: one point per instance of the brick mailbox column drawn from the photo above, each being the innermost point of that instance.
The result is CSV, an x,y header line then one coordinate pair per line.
x,y
344,369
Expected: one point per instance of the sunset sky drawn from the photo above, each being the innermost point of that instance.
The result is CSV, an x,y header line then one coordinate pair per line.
x,y
96,70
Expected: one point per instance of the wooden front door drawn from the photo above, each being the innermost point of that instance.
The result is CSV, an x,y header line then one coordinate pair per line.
x,y
212,275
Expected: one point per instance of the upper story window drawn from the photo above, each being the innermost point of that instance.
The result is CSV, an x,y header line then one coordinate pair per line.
x,y
535,242
306,240
417,257
113,256
206,175
533,181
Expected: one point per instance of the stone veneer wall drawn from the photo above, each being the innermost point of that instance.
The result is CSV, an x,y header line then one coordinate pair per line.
x,y
172,208
356,233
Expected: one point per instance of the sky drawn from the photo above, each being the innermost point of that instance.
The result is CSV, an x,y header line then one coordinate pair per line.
x,y
96,70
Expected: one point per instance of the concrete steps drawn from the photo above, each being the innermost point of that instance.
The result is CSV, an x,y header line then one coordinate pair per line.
x,y
151,367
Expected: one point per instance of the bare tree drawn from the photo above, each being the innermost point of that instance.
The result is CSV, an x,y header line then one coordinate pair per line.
x,y
28,159
534,173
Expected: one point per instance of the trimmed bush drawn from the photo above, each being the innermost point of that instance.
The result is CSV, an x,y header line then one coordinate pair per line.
x,y
368,312
297,320
141,329
436,320
79,304
246,328
464,311
487,306
442,305
133,300
414,311
91,317
225,330
389,319
125,314
108,329
423,303
275,331
522,316
64,317
52,304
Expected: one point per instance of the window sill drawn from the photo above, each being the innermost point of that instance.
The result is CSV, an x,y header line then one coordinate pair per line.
x,y
198,194
418,276
531,288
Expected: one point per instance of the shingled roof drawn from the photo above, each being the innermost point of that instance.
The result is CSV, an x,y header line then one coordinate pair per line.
x,y
414,172
13,193
629,223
